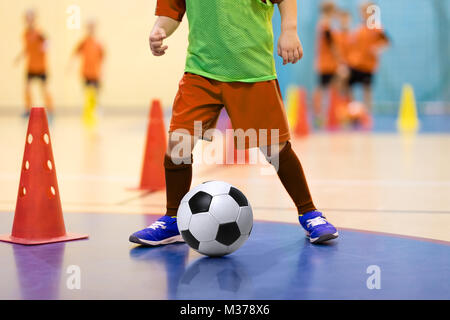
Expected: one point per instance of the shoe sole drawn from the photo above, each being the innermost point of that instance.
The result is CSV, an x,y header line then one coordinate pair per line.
x,y
156,243
325,237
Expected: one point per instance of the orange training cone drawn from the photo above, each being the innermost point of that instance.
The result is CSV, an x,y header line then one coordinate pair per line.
x,y
38,218
231,154
302,126
153,176
343,109
333,110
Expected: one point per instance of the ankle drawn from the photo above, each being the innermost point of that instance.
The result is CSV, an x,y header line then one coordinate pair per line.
x,y
303,210
171,213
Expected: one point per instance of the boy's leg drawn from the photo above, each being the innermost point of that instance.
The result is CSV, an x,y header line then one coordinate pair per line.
x,y
178,170
90,103
28,98
292,176
259,107
198,100
317,101
325,82
343,79
354,79
367,93
46,93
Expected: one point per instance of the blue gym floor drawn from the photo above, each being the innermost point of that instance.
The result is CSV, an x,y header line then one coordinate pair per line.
x,y
277,262
428,123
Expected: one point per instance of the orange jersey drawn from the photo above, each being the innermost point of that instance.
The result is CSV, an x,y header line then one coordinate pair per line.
x,y
343,46
365,45
326,61
91,52
34,43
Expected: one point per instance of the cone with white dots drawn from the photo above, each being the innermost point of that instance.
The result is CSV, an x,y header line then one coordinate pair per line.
x,y
38,217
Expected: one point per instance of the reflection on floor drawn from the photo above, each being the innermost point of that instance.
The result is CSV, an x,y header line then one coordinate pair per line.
x,y
277,262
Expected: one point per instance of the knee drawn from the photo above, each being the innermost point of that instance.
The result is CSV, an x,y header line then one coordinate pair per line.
x,y
273,151
367,88
179,149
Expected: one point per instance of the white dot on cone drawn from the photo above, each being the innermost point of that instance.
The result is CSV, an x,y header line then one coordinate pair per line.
x,y
46,138
49,165
52,190
27,165
30,138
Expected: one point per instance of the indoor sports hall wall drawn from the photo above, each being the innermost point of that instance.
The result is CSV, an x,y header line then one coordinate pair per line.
x,y
132,75
419,53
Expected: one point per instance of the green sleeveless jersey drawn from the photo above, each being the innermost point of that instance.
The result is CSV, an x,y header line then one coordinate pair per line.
x,y
231,40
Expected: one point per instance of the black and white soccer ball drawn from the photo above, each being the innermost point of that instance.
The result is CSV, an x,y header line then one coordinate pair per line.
x,y
215,218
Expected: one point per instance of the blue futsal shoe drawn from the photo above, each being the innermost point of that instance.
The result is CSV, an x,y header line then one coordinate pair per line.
x,y
161,232
318,229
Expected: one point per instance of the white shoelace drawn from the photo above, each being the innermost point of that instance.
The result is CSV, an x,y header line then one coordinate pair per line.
x,y
316,222
157,225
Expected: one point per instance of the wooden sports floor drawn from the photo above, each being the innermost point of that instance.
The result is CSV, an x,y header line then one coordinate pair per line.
x,y
388,194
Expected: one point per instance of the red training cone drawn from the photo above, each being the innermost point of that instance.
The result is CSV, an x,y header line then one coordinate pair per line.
x,y
302,127
153,174
231,154
38,218
333,110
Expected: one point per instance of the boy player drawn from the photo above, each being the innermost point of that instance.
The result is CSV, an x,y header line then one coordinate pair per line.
x,y
35,53
230,64
367,44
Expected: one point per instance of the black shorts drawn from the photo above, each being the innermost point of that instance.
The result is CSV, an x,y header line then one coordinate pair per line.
x,y
360,77
325,79
92,82
38,76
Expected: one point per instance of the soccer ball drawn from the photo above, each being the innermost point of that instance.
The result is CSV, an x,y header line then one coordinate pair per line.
x,y
215,218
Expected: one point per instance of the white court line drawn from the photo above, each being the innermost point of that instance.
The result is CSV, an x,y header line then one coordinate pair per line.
x,y
382,183
365,183
79,177
319,182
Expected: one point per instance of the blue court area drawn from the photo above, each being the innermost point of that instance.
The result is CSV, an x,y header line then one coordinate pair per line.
x,y
277,262
428,123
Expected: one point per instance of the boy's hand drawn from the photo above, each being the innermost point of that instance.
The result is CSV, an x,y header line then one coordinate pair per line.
x,y
289,47
17,59
343,71
156,41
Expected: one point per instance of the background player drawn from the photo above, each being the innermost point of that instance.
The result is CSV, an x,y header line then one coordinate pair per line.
x,y
34,51
231,66
92,54
343,37
366,45
327,60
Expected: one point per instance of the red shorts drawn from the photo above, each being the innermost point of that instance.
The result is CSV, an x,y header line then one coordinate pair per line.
x,y
251,107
